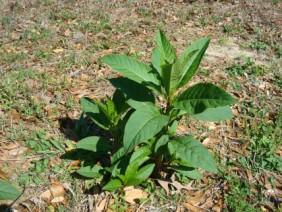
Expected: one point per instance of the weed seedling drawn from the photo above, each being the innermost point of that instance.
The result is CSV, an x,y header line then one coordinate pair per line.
x,y
141,133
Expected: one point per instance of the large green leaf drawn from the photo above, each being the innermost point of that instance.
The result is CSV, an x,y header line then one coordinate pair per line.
x,y
133,90
133,176
130,174
145,172
113,185
198,98
140,155
165,49
94,144
142,125
192,151
133,69
92,172
187,64
214,114
92,110
7,191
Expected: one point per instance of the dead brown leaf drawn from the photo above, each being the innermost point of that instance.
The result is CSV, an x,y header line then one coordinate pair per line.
x,y
177,185
133,196
3,175
197,199
192,208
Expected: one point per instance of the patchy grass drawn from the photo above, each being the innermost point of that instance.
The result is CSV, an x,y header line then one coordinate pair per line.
x,y
49,59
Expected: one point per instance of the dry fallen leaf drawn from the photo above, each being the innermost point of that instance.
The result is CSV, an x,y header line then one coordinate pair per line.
x,y
197,199
177,185
58,50
58,199
133,196
191,207
3,176
101,206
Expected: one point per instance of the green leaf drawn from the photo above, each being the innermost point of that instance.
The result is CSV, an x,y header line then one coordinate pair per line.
x,y
133,90
120,101
140,155
179,72
192,151
142,125
111,110
158,61
214,114
91,172
91,109
130,172
198,98
7,191
161,145
133,69
139,105
189,62
118,154
164,47
187,171
145,172
88,105
94,144
172,128
112,185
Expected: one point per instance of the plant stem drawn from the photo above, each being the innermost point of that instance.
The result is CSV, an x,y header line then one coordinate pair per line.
x,y
158,166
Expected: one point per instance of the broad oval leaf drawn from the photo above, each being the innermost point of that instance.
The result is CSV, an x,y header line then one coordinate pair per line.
x,y
142,125
7,191
192,151
94,144
140,155
130,173
133,90
133,69
198,98
112,185
145,172
91,172
187,64
214,114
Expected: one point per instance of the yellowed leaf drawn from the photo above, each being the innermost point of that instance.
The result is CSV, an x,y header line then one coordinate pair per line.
x,y
58,50
58,199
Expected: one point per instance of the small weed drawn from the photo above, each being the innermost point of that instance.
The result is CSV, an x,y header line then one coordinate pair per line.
x,y
248,67
222,41
257,45
240,198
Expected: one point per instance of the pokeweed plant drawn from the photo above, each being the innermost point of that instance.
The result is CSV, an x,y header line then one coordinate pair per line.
x,y
143,139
